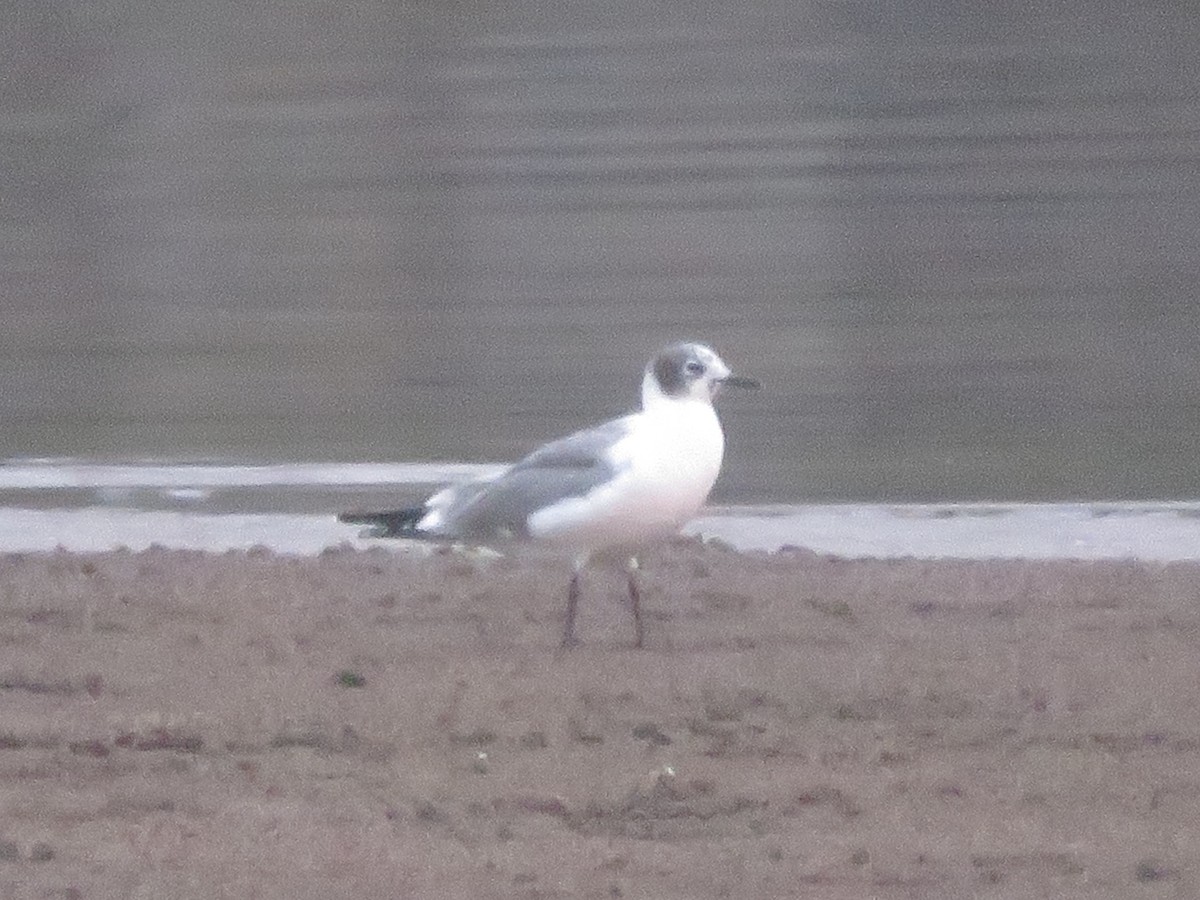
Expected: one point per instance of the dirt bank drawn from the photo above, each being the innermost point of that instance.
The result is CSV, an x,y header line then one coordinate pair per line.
x,y
367,723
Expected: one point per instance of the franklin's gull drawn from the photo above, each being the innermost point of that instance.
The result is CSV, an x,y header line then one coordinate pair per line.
x,y
610,489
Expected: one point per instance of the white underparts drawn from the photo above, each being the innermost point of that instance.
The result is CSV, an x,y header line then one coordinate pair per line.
x,y
666,466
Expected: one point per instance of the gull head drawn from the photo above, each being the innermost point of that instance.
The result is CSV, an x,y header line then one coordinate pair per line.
x,y
687,371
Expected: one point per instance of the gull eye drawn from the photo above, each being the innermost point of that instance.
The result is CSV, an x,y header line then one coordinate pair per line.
x,y
694,368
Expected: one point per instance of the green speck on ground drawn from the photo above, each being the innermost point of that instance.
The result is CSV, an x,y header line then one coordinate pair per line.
x,y
351,679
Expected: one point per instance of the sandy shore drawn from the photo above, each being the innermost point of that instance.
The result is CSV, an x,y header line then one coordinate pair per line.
x,y
368,723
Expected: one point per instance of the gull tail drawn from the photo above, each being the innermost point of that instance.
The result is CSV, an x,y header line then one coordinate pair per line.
x,y
395,523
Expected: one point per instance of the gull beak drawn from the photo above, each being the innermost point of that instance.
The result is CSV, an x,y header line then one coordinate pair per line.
x,y
736,381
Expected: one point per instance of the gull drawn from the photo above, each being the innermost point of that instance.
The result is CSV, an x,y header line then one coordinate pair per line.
x,y
601,492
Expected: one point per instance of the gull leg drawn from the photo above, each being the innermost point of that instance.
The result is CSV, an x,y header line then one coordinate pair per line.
x,y
568,639
635,603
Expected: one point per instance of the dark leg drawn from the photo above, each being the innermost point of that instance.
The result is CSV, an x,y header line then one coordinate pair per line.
x,y
568,639
635,604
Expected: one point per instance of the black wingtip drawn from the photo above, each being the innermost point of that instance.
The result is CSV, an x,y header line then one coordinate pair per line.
x,y
395,523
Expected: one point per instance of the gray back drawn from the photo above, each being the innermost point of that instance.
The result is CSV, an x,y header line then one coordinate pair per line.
x,y
569,467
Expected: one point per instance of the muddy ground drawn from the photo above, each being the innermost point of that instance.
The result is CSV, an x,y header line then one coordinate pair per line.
x,y
370,723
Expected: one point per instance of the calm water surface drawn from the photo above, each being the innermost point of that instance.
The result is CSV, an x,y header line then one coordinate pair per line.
x,y
958,245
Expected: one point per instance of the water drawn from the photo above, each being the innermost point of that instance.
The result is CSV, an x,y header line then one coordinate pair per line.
x,y
957,243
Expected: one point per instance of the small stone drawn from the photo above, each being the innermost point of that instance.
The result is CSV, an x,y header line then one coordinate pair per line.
x,y
1152,870
534,740
648,731
41,852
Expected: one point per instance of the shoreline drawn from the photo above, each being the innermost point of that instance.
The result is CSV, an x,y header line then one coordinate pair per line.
x,y
94,505
1162,532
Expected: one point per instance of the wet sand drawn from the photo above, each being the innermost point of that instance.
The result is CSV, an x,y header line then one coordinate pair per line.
x,y
371,723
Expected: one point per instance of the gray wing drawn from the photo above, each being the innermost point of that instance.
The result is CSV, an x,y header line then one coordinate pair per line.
x,y
569,467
